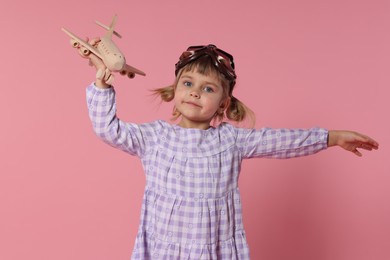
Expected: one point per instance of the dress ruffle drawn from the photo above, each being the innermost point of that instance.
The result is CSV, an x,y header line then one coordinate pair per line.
x,y
149,247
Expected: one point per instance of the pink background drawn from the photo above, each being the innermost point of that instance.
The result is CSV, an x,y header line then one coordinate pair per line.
x,y
66,195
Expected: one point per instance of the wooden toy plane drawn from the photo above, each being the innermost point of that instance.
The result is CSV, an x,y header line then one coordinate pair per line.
x,y
106,50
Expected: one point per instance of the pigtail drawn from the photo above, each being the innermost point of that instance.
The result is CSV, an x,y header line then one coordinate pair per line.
x,y
238,111
166,94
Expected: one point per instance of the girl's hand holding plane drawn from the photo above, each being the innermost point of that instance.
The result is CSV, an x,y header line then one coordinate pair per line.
x,y
104,77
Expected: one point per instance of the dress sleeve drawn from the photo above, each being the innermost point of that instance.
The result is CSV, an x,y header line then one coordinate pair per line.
x,y
281,143
107,126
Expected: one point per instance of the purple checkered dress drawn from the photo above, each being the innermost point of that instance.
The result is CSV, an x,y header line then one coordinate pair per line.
x,y
191,207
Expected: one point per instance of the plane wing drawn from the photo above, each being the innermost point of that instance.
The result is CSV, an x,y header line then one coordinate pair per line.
x,y
131,69
83,43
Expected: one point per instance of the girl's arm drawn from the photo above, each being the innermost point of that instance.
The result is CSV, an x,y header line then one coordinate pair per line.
x,y
280,143
108,127
351,141
289,143
102,112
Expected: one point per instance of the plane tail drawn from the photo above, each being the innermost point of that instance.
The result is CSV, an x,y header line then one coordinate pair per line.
x,y
110,29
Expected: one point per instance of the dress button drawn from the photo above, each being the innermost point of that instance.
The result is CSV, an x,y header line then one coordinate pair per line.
x,y
222,212
189,225
184,150
201,195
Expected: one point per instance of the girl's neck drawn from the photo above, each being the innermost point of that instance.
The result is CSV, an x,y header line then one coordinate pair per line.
x,y
197,125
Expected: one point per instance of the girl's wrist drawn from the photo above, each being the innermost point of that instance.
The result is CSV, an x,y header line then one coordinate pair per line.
x,y
101,84
332,138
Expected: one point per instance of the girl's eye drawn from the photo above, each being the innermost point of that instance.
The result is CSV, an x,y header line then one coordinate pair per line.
x,y
209,89
187,84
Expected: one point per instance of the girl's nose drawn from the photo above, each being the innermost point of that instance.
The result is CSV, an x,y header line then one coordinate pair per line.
x,y
194,94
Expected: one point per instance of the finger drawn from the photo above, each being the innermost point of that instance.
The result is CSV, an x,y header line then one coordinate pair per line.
x,y
100,74
368,141
356,152
93,58
365,147
368,147
94,41
374,144
96,61
110,80
107,75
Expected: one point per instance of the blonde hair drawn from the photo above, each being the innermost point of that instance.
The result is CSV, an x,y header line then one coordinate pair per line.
x,y
236,110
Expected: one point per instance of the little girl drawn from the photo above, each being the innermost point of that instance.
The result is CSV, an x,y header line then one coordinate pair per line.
x,y
191,207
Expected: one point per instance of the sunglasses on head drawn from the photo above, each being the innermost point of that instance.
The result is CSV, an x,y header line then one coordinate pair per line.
x,y
222,60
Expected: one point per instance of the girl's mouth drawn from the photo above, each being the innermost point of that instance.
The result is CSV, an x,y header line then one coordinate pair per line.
x,y
192,104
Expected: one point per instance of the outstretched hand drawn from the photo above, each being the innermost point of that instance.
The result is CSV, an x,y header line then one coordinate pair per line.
x,y
351,141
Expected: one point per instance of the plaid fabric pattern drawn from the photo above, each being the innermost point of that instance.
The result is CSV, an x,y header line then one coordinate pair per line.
x,y
191,207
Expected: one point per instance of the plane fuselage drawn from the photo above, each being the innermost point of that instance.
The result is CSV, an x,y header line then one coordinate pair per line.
x,y
112,56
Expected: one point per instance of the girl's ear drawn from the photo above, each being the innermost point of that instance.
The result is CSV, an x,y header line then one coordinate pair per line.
x,y
225,103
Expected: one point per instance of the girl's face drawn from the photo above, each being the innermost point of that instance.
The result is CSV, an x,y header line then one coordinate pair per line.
x,y
198,97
